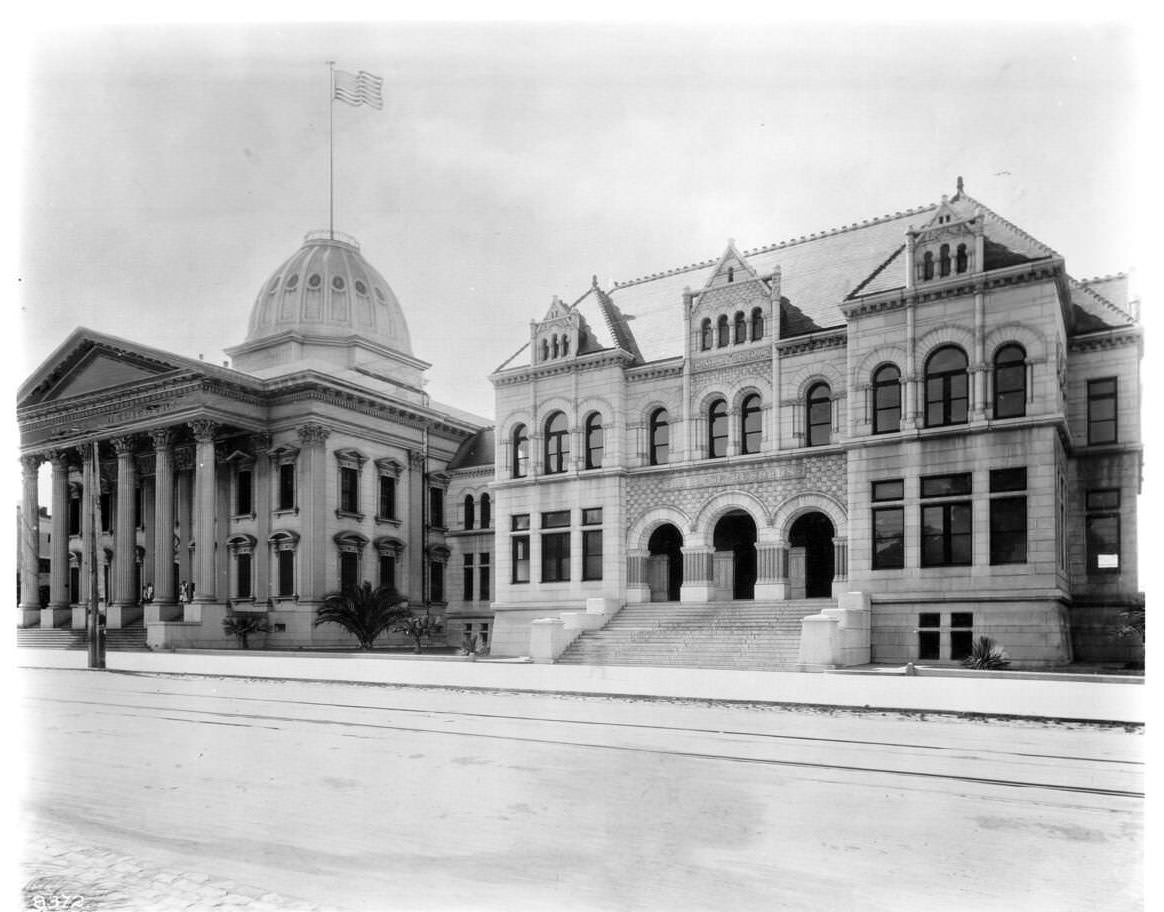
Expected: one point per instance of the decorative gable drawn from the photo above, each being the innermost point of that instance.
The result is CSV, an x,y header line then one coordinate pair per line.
x,y
558,335
735,304
950,244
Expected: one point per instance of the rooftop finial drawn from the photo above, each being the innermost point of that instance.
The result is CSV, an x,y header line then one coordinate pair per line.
x,y
594,280
959,185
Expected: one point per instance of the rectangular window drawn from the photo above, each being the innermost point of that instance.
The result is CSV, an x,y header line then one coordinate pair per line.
x,y
888,490
556,557
242,587
387,571
387,498
520,545
483,589
929,636
1008,530
137,511
592,516
961,635
556,519
888,538
1003,480
75,517
1103,531
286,573
349,570
349,490
946,540
484,635
436,582
519,522
106,509
946,485
1101,411
436,508
287,486
243,498
467,578
591,554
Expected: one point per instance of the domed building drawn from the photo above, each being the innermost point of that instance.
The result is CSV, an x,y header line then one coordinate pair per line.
x,y
314,463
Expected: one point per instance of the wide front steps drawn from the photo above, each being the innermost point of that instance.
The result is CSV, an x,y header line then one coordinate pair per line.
x,y
133,637
741,635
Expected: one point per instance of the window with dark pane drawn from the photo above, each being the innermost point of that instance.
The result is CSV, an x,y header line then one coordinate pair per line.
x,y
819,417
1010,382
947,387
594,441
888,538
1101,411
349,490
886,399
717,429
660,437
557,444
929,636
245,491
555,557
751,424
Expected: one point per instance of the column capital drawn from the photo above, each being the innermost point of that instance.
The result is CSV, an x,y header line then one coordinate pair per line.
x,y
30,463
162,438
313,433
123,446
59,458
416,459
204,429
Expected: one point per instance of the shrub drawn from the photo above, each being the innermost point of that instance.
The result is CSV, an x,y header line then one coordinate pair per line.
x,y
244,624
986,654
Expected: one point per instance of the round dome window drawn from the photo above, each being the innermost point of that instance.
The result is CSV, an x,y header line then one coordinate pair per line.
x,y
314,281
337,283
361,288
380,294
274,284
292,281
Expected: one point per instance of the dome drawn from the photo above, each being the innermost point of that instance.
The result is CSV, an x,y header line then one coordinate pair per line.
x,y
327,290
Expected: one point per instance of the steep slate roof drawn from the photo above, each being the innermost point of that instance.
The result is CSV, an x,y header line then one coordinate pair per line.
x,y
474,451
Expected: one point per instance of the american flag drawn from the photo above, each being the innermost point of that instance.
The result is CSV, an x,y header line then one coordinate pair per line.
x,y
358,88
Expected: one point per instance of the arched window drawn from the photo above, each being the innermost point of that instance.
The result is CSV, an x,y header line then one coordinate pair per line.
x,y
594,441
660,430
944,260
706,336
819,414
724,331
741,327
717,429
731,273
557,450
545,349
565,346
928,265
486,511
1010,382
757,324
554,347
961,260
751,425
520,442
886,399
469,511
947,387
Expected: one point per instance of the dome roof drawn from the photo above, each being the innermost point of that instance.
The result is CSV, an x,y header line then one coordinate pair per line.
x,y
327,289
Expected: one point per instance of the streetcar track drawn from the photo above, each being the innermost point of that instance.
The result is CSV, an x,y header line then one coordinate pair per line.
x,y
106,709
597,722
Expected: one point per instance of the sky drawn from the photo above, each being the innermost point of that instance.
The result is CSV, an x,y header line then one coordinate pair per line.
x,y
165,171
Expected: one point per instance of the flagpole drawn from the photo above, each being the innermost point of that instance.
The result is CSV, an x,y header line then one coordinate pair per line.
x,y
331,152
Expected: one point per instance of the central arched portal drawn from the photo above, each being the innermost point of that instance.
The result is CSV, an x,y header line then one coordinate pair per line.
x,y
665,563
735,536
811,564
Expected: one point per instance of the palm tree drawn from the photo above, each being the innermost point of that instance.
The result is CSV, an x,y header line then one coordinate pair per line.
x,y
363,612
244,624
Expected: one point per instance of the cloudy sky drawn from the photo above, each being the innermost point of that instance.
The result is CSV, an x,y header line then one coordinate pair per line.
x,y
165,171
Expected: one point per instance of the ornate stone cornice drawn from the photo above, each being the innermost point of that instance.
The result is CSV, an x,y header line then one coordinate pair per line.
x,y
1106,341
670,368
588,362
799,345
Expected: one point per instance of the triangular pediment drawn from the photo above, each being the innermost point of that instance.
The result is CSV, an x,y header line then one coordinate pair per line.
x,y
731,269
89,363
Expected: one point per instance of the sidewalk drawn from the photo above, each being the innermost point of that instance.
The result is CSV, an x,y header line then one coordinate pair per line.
x,y
1092,699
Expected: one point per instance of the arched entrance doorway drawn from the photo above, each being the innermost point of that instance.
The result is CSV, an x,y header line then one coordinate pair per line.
x,y
810,558
665,563
734,569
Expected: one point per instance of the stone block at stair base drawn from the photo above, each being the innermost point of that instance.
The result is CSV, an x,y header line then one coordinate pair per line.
x,y
548,639
837,637
606,606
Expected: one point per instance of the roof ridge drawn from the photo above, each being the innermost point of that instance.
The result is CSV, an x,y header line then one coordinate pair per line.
x,y
1011,225
789,242
1101,298
1103,278
876,272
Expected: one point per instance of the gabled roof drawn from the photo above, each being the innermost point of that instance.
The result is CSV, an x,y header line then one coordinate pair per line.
x,y
88,361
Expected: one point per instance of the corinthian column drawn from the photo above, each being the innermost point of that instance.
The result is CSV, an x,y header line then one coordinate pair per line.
x,y
58,609
163,555
30,543
124,602
204,502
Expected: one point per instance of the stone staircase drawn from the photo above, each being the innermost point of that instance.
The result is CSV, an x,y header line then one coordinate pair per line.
x,y
739,635
133,637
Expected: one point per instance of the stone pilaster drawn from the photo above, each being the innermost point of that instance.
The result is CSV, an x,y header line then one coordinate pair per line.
x,y
29,542
637,585
697,575
840,566
261,492
771,571
311,557
124,597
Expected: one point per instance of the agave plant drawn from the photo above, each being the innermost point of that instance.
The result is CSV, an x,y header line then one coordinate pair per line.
x,y
244,624
363,612
986,654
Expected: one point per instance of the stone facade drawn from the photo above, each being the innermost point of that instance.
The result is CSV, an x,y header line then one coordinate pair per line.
x,y
923,408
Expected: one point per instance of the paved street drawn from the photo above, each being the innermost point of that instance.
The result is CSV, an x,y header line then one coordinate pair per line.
x,y
154,793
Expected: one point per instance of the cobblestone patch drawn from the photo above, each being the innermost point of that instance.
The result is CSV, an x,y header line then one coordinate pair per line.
x,y
60,876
